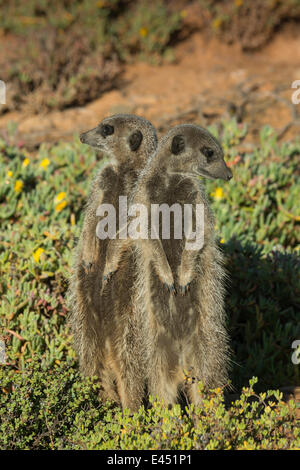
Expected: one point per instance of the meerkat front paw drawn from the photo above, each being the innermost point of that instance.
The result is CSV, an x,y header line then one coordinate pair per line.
x,y
184,289
185,278
107,277
170,288
166,277
87,266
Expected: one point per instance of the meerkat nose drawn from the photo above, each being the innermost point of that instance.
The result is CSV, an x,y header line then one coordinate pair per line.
x,y
229,174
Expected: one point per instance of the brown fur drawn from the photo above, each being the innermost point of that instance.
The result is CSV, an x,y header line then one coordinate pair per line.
x,y
183,333
102,317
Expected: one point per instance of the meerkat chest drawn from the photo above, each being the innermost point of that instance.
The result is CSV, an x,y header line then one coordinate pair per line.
x,y
171,189
173,210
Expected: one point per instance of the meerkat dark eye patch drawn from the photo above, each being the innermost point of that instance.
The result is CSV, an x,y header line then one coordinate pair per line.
x,y
208,153
178,144
135,140
106,129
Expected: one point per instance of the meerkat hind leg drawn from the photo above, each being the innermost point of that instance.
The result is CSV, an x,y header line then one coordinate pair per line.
x,y
130,392
165,374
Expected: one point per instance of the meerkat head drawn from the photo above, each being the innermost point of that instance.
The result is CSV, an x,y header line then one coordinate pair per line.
x,y
123,137
193,150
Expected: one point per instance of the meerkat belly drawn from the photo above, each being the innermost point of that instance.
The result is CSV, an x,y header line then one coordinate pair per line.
x,y
177,314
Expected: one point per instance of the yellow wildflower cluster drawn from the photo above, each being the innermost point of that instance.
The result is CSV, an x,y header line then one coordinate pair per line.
x,y
218,193
44,163
143,32
37,254
217,23
18,186
60,201
238,3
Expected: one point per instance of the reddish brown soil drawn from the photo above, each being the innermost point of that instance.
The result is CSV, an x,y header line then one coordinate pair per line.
x,y
208,81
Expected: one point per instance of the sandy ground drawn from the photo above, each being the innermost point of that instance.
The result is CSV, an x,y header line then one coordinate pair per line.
x,y
207,82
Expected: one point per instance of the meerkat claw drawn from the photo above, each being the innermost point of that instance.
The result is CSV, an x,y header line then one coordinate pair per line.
x,y
87,267
185,289
106,280
108,277
170,288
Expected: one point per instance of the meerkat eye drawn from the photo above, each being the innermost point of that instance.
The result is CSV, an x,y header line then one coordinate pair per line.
x,y
106,130
208,153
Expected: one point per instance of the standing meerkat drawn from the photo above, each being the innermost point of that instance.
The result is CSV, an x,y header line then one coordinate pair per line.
x,y
102,320
183,332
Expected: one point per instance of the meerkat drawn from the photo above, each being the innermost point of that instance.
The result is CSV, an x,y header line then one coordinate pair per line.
x,y
185,333
102,319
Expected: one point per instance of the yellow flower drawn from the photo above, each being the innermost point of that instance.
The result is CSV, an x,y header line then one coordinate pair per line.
x,y
247,446
44,163
37,254
50,235
60,197
60,206
9,174
218,194
217,23
143,32
18,186
26,162
222,240
60,201
68,16
28,20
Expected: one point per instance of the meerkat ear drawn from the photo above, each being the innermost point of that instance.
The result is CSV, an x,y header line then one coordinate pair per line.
x,y
178,144
135,140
